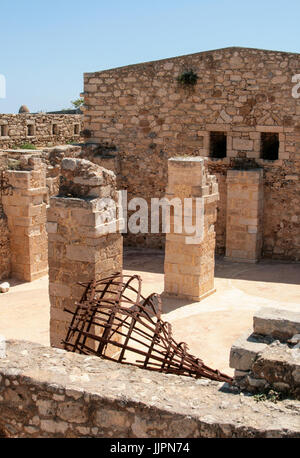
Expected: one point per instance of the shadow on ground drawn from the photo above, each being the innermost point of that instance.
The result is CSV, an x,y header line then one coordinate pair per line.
x,y
152,261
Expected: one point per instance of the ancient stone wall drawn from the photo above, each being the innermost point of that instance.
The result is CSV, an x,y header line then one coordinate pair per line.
x,y
145,116
82,246
47,392
34,177
39,129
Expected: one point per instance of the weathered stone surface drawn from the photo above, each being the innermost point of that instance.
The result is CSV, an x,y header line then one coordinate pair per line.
x,y
281,324
5,253
4,287
244,352
82,178
190,251
26,218
154,119
81,247
269,363
280,367
244,226
295,339
52,129
116,401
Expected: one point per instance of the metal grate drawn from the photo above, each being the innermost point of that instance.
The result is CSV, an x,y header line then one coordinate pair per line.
x,y
113,320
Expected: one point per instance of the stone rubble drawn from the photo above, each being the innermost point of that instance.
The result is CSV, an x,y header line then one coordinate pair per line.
x,y
261,361
4,287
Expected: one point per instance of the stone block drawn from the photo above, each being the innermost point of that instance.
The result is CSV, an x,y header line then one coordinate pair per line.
x,y
278,323
280,367
244,352
241,144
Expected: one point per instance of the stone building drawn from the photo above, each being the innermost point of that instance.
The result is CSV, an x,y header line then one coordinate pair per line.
x,y
237,106
38,129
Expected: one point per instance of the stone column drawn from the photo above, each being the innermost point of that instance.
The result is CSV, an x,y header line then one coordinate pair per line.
x,y
81,247
244,215
26,214
189,267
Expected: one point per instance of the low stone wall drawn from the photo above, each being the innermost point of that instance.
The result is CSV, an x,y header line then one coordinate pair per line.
x,y
47,392
39,129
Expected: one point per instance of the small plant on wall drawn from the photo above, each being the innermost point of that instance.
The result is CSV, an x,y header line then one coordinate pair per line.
x,y
187,78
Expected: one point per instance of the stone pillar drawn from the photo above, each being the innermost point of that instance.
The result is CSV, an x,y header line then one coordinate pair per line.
x,y
81,247
244,215
189,267
26,214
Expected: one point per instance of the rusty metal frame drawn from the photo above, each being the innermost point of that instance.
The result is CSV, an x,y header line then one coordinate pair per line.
x,y
113,320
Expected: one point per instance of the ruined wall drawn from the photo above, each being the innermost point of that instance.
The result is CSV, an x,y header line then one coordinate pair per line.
x,y
39,129
5,255
144,113
46,392
269,358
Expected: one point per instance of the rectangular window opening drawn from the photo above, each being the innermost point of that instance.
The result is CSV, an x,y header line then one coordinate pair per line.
x,y
30,130
269,146
218,144
54,129
76,129
3,131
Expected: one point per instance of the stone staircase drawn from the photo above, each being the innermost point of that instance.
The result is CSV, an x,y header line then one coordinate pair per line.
x,y
269,357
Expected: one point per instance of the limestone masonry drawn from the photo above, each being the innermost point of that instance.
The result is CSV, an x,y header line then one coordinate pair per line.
x,y
244,215
240,114
47,392
26,217
189,267
219,128
39,129
81,249
269,358
5,267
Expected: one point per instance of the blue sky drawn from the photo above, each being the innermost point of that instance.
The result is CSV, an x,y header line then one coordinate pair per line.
x,y
47,46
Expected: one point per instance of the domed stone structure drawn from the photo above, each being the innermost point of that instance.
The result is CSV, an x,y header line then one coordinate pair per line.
x,y
24,109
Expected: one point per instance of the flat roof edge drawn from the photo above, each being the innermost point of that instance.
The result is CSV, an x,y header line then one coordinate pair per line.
x,y
190,55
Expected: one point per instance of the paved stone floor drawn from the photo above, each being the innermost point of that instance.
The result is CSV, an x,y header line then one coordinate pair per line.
x,y
209,327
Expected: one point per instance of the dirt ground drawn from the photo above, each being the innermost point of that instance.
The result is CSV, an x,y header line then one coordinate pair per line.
x,y
208,327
